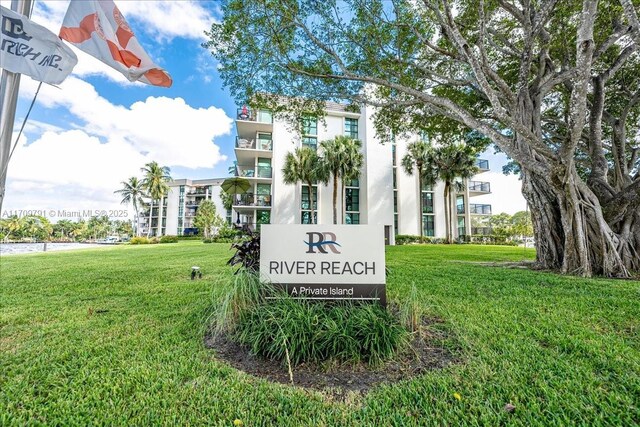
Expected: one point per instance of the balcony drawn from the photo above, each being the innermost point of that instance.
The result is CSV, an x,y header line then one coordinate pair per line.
x,y
250,115
250,121
251,172
249,199
252,144
248,149
482,164
479,187
476,209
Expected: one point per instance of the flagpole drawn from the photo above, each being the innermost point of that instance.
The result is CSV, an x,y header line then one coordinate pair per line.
x,y
9,86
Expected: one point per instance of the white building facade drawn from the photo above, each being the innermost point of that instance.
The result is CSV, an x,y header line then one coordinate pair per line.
x,y
384,194
175,213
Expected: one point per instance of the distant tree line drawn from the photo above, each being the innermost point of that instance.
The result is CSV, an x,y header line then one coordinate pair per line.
x,y
39,228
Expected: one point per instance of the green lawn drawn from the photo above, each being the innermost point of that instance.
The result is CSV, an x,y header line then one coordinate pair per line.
x,y
115,336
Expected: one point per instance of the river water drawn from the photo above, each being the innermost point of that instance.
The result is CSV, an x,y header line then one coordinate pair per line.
x,y
24,248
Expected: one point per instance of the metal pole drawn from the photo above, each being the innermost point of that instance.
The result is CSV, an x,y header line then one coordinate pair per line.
x,y
9,86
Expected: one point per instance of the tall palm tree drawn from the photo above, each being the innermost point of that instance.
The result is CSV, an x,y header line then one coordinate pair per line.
x,y
450,163
351,166
132,191
333,159
304,165
418,157
155,184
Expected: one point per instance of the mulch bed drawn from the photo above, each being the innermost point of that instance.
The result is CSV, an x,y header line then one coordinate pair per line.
x,y
338,380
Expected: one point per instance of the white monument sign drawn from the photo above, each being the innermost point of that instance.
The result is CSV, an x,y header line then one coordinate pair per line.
x,y
325,261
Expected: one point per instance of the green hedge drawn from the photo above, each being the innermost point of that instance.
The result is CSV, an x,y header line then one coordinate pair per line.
x,y
405,239
169,239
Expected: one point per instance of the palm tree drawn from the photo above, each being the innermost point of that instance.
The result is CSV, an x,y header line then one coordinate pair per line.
x,y
334,152
155,184
304,165
351,166
418,156
132,191
450,163
14,225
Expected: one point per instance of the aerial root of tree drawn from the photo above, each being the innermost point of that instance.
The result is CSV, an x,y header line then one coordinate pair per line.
x,y
578,240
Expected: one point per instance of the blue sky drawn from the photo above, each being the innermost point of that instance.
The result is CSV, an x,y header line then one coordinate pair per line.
x,y
98,129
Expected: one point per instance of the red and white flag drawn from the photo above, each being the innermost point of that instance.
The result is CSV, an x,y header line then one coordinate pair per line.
x,y
98,28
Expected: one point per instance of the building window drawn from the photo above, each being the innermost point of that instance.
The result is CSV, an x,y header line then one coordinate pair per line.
x,y
352,199
310,141
352,218
305,205
309,126
428,228
460,204
462,229
351,128
427,202
305,200
265,116
264,141
393,153
264,168
395,223
181,211
352,202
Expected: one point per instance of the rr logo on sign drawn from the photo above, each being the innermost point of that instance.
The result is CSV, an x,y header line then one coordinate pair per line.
x,y
13,28
320,241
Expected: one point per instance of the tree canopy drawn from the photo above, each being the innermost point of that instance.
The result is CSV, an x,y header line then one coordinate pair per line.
x,y
554,84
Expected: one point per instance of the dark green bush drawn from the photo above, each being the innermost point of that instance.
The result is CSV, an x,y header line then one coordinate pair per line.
x,y
208,240
247,253
405,239
315,332
169,239
139,241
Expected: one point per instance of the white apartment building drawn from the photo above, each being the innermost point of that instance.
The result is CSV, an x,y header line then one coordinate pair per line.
x,y
175,214
384,194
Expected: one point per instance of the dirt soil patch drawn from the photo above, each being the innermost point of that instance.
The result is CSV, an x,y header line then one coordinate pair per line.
x,y
425,353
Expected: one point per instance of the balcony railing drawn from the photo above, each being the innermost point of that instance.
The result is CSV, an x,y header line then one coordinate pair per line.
x,y
253,200
480,209
482,164
262,172
249,114
253,144
197,193
484,187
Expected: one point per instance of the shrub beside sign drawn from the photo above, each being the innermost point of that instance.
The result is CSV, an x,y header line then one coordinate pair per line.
x,y
325,261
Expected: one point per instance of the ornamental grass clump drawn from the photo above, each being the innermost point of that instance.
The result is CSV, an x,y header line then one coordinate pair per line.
x,y
297,331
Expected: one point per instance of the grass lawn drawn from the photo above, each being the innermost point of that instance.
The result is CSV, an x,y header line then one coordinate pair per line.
x,y
115,336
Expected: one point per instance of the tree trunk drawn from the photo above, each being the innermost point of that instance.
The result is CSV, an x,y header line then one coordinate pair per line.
x,y
571,232
343,215
150,215
309,184
335,198
447,211
420,207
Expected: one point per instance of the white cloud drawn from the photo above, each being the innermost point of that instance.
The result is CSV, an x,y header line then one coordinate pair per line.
x,y
171,131
70,171
163,20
